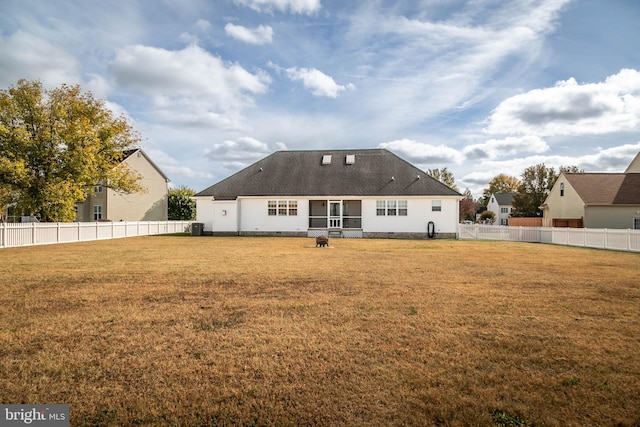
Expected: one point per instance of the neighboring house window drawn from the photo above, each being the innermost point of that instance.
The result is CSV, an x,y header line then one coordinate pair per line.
x,y
436,205
97,212
504,210
504,221
636,223
391,207
562,189
282,207
97,188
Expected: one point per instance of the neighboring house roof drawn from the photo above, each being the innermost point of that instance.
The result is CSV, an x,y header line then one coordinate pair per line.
x,y
128,153
606,188
634,166
504,199
374,172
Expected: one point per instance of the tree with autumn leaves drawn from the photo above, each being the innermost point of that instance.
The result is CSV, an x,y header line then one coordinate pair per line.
x,y
55,145
530,191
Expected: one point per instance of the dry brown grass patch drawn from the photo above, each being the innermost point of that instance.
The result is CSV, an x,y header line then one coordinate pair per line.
x,y
222,331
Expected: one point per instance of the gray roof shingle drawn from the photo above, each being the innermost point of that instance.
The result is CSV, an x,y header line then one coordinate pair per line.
x,y
606,188
504,199
375,172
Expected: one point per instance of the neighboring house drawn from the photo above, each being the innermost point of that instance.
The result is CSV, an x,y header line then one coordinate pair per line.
x,y
346,193
105,204
595,200
501,204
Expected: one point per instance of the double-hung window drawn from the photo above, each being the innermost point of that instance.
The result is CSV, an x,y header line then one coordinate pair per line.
x,y
97,212
403,208
436,205
391,208
282,207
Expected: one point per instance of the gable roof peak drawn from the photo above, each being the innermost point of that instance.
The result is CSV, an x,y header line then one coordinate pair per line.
x,y
634,166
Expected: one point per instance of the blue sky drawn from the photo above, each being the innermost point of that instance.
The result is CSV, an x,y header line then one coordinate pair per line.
x,y
481,87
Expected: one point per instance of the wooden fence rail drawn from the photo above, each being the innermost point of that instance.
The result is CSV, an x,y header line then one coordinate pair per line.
x,y
43,233
602,238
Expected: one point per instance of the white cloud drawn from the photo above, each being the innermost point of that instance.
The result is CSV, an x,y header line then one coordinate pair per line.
x,y
262,34
187,72
301,7
203,25
570,108
423,154
444,63
237,154
614,159
27,56
172,167
508,146
318,82
188,86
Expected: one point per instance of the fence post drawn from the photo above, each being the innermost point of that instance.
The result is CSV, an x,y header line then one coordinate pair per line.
x,y
4,235
57,232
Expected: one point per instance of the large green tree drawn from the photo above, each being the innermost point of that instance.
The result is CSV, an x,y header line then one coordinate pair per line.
x,y
534,188
55,145
181,206
500,184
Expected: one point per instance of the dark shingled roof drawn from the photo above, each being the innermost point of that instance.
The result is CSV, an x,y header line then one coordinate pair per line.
x,y
504,199
606,188
375,172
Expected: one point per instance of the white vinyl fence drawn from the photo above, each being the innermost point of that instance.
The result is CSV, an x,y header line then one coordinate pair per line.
x,y
601,238
42,233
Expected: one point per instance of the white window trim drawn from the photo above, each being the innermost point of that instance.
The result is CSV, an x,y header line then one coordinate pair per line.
x,y
392,207
282,208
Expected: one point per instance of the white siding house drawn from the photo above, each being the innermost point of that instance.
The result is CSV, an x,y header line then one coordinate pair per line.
x,y
501,204
346,193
